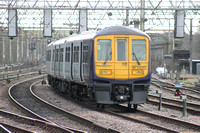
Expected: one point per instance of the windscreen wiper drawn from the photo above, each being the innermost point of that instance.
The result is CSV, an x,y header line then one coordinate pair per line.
x,y
136,58
107,58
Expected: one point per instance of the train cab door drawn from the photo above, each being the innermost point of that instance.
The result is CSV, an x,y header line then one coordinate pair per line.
x,y
121,57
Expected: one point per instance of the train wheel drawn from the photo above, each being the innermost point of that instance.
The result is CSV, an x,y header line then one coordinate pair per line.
x,y
129,105
78,96
78,93
98,105
69,92
73,92
135,106
102,106
92,98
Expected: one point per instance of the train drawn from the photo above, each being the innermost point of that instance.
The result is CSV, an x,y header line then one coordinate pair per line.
x,y
107,66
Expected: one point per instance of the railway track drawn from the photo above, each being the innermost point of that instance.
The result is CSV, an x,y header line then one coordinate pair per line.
x,y
158,122
17,123
8,128
89,110
171,85
192,108
49,113
192,95
17,97
21,73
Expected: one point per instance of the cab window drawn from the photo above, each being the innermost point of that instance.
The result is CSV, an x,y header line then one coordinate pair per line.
x,y
104,50
139,50
121,50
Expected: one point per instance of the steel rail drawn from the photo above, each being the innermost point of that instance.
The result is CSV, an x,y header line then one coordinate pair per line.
x,y
177,107
4,129
91,123
179,102
8,128
25,120
172,90
50,124
156,116
131,118
183,87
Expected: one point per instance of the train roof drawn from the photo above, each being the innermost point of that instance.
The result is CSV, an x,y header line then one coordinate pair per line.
x,y
121,30
83,36
61,41
113,30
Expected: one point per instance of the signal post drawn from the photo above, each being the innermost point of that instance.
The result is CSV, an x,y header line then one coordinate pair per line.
x,y
182,97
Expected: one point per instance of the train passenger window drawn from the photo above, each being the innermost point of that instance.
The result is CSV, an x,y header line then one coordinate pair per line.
x,y
56,55
76,54
48,56
121,50
67,54
85,54
61,55
139,49
104,50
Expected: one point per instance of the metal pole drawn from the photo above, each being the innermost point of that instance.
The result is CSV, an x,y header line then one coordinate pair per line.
x,y
22,47
190,46
176,77
136,23
28,46
184,105
3,52
142,15
169,40
18,49
160,100
10,50
183,72
127,16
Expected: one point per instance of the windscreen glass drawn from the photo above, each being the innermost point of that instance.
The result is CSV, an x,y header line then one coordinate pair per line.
x,y
104,50
139,49
121,50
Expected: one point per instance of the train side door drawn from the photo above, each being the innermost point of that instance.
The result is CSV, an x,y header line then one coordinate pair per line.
x,y
76,61
54,60
121,58
59,61
71,61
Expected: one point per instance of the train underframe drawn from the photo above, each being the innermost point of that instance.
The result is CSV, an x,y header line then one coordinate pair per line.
x,y
102,94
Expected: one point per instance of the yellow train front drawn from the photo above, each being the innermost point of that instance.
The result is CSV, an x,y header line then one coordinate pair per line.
x,y
121,68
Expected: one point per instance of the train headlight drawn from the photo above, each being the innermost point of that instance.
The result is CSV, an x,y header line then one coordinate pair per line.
x,y
138,72
105,72
121,97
